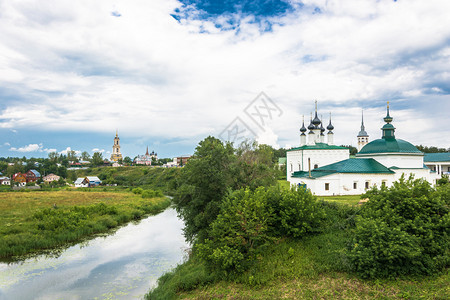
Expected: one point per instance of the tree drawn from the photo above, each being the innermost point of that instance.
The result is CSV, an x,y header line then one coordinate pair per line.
x,y
85,156
97,159
72,156
127,160
53,156
204,181
215,170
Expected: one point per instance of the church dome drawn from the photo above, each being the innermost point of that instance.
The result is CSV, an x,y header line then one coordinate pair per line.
x,y
389,146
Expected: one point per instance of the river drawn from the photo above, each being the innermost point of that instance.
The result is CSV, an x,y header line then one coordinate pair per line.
x,y
123,265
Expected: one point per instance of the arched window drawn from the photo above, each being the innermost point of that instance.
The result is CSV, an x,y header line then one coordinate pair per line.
x,y
316,166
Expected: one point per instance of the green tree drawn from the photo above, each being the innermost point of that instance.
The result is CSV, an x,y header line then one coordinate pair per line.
x,y
204,181
402,230
97,159
127,160
53,157
72,156
85,156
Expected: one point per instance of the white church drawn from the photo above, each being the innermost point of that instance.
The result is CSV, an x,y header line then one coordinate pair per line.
x,y
327,169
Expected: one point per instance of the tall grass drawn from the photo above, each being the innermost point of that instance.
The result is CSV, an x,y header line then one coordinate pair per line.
x,y
31,222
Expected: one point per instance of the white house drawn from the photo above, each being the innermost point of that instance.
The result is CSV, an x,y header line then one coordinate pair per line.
x,y
79,182
438,162
380,162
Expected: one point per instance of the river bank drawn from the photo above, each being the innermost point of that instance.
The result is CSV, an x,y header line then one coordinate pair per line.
x,y
121,265
35,221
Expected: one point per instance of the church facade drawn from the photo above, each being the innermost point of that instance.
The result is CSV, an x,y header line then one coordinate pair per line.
x,y
328,170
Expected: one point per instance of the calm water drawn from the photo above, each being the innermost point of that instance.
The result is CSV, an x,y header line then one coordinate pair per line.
x,y
124,265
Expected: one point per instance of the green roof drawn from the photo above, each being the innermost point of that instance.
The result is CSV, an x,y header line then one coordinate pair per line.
x,y
388,146
436,157
318,146
351,165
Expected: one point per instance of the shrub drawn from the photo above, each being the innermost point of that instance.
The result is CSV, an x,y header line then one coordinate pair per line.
x,y
137,190
249,220
401,230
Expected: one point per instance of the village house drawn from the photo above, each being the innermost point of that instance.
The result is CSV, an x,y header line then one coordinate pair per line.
x,y
5,181
50,178
88,181
20,179
33,176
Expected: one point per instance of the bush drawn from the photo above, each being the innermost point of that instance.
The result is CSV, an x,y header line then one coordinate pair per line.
x,y
137,190
249,220
401,230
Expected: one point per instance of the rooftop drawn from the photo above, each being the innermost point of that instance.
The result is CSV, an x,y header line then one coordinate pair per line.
x,y
436,157
351,165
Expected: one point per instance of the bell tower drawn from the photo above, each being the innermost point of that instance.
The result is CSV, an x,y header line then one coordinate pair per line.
x,y
363,137
116,155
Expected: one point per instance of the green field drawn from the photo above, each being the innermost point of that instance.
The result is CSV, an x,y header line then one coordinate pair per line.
x,y
35,221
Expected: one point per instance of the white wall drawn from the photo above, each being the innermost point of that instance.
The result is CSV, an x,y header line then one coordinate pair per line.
x,y
342,183
396,160
298,159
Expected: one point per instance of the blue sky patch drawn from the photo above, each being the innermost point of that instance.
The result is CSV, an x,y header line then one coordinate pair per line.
x,y
263,12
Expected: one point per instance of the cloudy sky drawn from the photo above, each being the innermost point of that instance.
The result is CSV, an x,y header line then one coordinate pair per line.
x,y
168,73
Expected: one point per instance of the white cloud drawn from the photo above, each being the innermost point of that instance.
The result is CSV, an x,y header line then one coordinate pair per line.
x,y
27,148
78,67
97,150
65,151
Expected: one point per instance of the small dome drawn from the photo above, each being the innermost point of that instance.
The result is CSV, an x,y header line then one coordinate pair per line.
x,y
303,129
316,121
330,127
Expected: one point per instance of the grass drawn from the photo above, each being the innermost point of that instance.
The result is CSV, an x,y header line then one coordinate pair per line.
x,y
34,221
313,267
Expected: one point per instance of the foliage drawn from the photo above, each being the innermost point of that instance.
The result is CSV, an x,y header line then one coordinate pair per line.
x,y
443,180
249,220
204,181
432,149
401,230
215,170
97,159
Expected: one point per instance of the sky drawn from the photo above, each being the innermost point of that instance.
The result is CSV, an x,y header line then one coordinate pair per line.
x,y
166,74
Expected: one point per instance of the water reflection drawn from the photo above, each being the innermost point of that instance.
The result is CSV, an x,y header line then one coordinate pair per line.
x,y
121,266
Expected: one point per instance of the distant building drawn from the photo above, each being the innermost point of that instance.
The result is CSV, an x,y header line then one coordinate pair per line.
x,y
19,178
33,176
89,181
92,181
50,178
116,155
438,162
146,159
182,160
79,182
5,181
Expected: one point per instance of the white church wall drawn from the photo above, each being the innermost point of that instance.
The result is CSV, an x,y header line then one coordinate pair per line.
x,y
297,160
397,160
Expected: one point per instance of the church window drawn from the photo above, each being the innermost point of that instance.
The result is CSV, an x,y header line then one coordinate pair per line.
x,y
291,167
383,183
367,185
327,186
355,185
316,166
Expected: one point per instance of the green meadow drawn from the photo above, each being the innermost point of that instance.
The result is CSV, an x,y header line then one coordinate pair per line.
x,y
47,220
